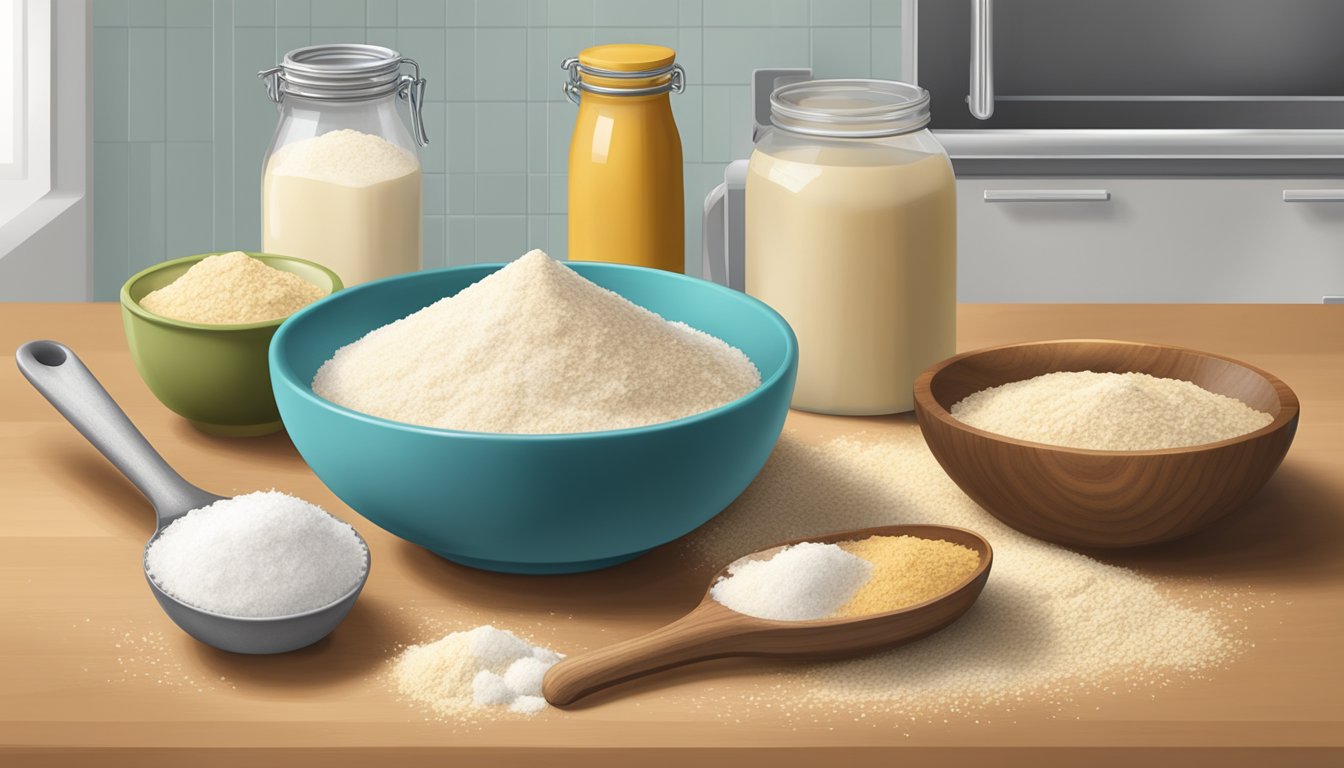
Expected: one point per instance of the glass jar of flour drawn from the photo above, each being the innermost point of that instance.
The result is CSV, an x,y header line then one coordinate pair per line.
x,y
341,181
851,235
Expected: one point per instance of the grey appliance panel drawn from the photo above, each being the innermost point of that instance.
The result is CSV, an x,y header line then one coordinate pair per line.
x,y
1254,64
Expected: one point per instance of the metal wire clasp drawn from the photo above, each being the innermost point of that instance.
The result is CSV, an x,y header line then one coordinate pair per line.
x,y
574,84
271,78
571,85
412,89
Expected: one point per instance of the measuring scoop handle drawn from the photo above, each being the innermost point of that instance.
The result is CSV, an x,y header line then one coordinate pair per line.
x,y
708,632
58,373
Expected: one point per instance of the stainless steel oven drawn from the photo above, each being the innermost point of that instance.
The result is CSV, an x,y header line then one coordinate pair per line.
x,y
1134,86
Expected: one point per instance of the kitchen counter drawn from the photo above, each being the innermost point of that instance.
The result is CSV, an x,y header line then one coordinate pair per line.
x,y
93,672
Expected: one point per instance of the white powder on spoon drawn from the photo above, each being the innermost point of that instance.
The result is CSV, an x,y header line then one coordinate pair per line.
x,y
1109,412
803,582
259,555
535,348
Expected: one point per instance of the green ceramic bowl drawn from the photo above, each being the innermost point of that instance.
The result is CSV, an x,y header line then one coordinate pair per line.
x,y
215,376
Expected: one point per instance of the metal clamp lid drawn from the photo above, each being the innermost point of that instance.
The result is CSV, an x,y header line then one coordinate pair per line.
x,y
349,72
675,83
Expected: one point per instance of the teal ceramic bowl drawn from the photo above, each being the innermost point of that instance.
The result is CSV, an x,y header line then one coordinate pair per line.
x,y
536,503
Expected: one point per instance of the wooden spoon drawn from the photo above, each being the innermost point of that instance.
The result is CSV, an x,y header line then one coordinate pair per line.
x,y
713,631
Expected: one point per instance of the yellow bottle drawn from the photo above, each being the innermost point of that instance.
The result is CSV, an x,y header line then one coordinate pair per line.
x,y
625,185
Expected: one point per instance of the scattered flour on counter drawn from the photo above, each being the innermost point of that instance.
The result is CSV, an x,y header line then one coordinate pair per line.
x,y
535,348
1050,622
473,671
1109,412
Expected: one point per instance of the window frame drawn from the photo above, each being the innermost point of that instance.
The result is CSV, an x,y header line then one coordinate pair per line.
x,y
29,178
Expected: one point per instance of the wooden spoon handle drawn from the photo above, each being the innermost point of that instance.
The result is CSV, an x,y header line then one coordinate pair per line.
x,y
710,631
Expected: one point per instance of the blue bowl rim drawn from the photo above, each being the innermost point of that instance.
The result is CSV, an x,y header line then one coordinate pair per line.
x,y
282,373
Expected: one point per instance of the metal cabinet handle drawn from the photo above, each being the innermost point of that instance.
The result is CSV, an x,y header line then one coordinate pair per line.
x,y
1313,195
982,59
1047,195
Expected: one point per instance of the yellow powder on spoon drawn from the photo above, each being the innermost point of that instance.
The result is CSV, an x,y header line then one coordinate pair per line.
x,y
232,288
907,570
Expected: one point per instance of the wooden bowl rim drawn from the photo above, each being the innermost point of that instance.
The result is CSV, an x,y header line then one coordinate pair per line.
x,y
918,530
1289,407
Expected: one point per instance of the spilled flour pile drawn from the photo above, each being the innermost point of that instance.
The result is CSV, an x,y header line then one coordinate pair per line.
x,y
1050,622
477,670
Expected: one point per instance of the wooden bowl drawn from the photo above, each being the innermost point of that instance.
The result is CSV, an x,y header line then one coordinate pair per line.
x,y
1103,499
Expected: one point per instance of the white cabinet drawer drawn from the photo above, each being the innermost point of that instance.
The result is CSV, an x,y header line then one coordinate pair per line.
x,y
1150,240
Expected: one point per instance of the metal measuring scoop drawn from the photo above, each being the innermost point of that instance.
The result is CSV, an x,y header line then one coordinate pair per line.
x,y
55,371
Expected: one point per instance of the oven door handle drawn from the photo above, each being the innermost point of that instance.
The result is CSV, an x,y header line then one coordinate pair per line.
x,y
981,98
1047,195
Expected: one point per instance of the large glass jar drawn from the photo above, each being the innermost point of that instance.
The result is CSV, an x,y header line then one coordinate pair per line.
x,y
851,236
341,182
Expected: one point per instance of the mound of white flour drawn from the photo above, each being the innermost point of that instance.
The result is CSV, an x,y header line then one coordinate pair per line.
x,y
531,349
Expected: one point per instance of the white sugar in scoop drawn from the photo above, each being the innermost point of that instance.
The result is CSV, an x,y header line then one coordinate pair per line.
x,y
261,554
255,574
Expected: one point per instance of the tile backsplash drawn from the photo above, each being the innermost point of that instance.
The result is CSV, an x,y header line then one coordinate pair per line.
x,y
181,121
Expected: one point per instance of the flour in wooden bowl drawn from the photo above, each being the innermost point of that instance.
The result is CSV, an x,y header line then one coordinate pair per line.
x,y
1109,412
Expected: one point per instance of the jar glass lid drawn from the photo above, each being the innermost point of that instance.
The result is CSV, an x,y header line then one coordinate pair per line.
x,y
850,108
341,71
348,72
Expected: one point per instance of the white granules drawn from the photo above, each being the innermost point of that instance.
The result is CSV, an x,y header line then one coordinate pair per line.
x,y
258,555
800,583
230,288
535,348
479,669
1049,623
1109,412
345,157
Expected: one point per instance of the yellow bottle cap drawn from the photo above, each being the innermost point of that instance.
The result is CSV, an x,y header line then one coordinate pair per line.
x,y
627,57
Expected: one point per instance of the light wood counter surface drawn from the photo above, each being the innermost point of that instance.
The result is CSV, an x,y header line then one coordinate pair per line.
x,y
92,673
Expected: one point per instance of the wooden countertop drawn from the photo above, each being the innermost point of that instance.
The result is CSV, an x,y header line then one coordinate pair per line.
x,y
92,673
